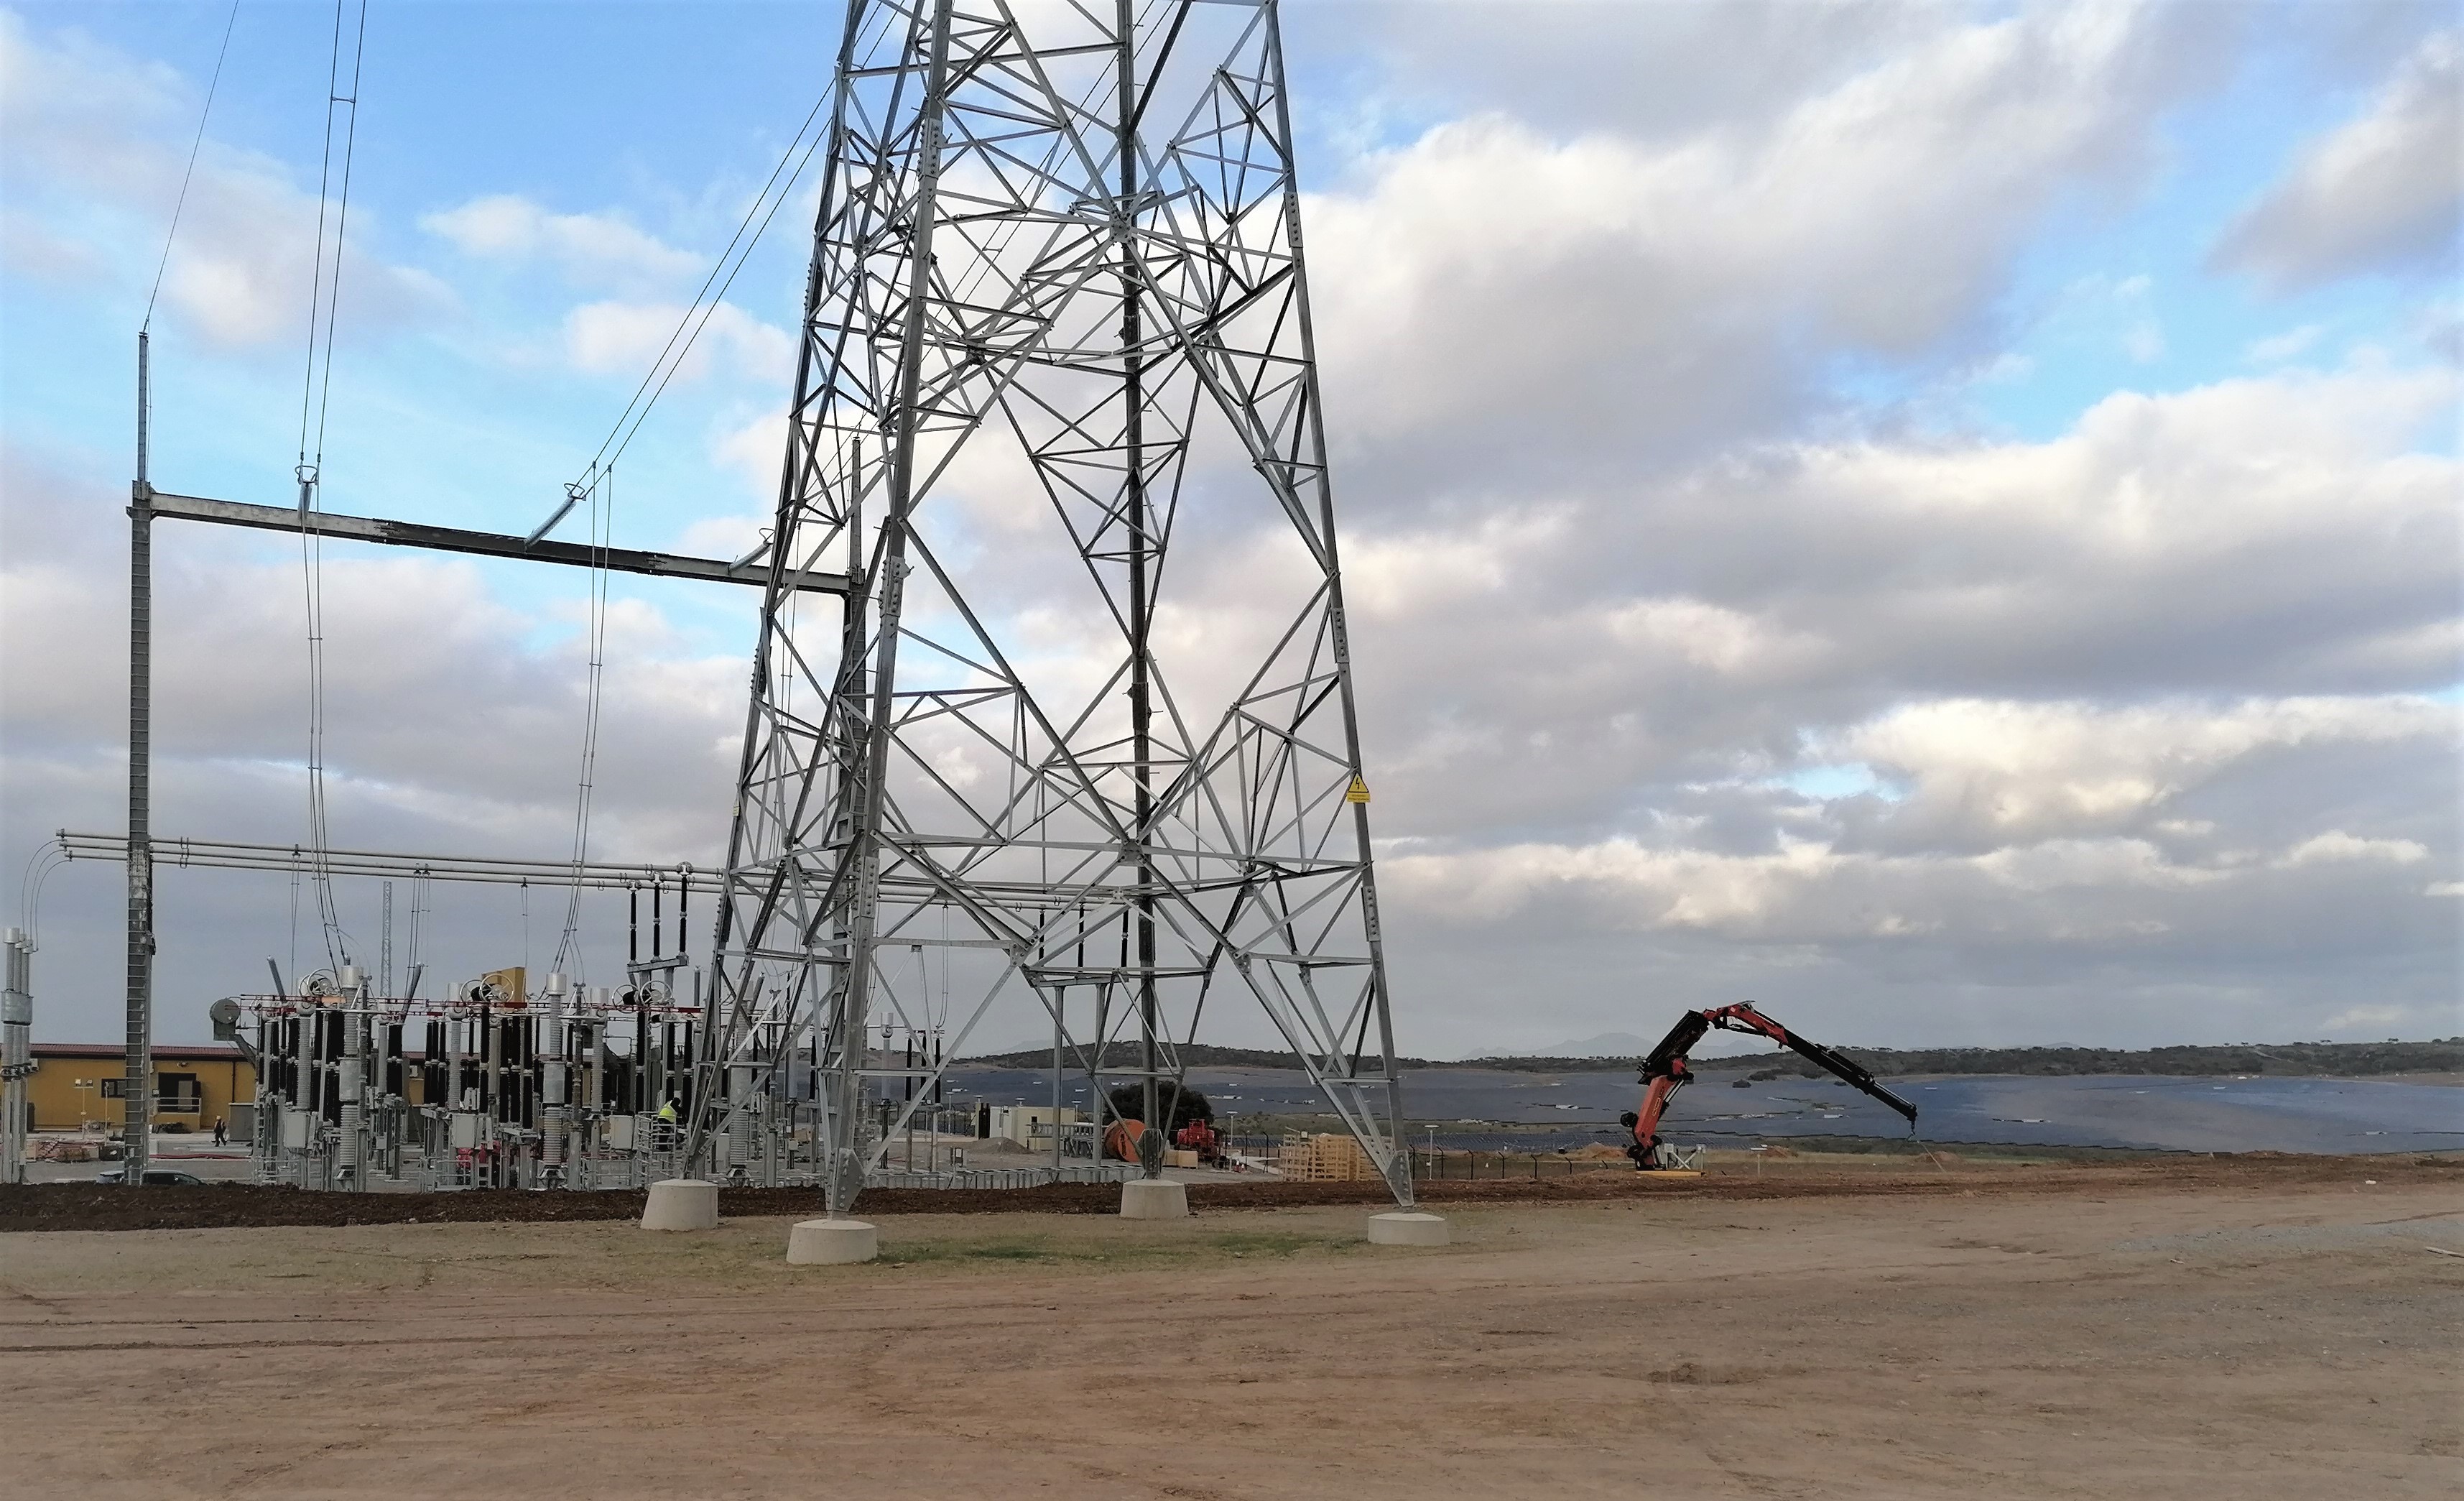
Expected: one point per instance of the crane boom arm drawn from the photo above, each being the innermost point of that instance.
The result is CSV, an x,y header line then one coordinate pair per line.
x,y
1667,1070
1853,1075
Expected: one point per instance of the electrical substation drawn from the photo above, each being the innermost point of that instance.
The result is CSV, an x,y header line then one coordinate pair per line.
x,y
1057,261
898,1002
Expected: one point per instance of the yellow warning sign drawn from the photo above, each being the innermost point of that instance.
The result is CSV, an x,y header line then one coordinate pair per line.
x,y
1360,792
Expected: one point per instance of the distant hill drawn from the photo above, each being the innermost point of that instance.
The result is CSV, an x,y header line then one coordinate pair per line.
x,y
1607,1044
2340,1060
2346,1060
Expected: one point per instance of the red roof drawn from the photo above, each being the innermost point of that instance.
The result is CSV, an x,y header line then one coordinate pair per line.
x,y
216,1051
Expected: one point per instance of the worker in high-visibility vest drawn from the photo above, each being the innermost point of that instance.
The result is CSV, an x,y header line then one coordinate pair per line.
x,y
668,1113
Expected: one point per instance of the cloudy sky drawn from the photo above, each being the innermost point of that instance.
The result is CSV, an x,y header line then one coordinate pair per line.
x,y
1939,518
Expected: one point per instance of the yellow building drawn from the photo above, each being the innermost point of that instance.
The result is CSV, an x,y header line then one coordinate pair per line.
x,y
194,1084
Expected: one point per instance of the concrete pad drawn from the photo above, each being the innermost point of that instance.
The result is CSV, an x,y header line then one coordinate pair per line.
x,y
1153,1199
681,1203
1402,1227
831,1243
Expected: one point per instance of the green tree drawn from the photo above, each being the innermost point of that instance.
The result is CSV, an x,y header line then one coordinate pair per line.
x,y
1129,1101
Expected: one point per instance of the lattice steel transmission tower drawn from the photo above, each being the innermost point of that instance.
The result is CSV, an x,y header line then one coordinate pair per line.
x,y
1083,726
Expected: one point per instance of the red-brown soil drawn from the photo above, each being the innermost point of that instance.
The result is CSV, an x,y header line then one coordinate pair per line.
x,y
91,1206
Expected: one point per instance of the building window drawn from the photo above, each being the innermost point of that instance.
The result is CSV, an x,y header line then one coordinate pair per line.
x,y
115,1089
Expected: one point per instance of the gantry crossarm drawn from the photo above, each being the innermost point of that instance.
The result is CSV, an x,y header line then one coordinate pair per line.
x,y
224,855
486,545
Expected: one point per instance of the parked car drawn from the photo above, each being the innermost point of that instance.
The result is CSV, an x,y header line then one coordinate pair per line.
x,y
155,1177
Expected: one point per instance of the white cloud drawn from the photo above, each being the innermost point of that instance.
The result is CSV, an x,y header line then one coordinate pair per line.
x,y
90,161
592,247
1649,71
2290,345
2380,192
630,338
2275,543
2003,770
1503,297
728,537
2059,893
754,453
1724,641
1397,574
2336,845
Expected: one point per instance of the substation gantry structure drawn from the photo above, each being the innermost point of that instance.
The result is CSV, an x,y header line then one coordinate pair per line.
x,y
1056,394
1056,402
145,852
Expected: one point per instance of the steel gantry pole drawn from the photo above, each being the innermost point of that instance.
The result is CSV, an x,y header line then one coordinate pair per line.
x,y
136,1085
16,1052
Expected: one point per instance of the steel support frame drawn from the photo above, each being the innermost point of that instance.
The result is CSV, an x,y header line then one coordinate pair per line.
x,y
1080,248
16,1050
137,847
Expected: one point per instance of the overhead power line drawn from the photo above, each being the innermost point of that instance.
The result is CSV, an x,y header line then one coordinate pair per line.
x,y
324,298
706,302
195,147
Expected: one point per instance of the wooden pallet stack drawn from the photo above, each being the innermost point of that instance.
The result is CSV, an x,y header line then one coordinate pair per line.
x,y
1323,1158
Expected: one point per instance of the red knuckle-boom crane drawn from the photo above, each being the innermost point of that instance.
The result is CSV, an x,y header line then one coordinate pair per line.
x,y
1666,1071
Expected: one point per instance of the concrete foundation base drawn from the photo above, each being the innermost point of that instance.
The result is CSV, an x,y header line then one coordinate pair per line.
x,y
831,1243
1402,1227
1153,1199
681,1203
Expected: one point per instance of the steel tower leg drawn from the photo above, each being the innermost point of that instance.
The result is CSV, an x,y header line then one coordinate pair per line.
x,y
1056,310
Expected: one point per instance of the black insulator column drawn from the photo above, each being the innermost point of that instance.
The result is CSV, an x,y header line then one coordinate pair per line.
x,y
433,1086
393,1061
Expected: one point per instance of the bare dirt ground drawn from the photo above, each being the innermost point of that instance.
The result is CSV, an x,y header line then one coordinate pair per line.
x,y
2284,1334
1780,1173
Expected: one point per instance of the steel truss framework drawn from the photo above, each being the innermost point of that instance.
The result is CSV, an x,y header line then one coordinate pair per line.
x,y
1055,309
